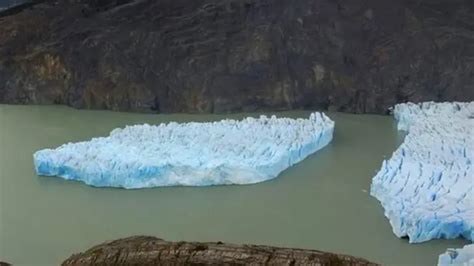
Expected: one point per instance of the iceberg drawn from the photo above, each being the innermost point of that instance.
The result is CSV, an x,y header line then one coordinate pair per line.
x,y
458,256
426,187
189,154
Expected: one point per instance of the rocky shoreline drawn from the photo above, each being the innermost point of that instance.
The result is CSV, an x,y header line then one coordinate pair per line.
x,y
214,56
147,250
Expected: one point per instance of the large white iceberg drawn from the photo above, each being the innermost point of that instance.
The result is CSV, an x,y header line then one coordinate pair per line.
x,y
458,256
190,154
426,187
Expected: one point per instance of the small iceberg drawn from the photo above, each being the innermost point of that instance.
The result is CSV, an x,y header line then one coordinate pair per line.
x,y
426,187
189,154
458,256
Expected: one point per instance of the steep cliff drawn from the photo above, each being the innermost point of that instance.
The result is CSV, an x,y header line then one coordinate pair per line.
x,y
237,55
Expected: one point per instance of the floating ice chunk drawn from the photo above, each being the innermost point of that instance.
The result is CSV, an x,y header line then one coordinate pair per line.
x,y
190,154
459,256
426,187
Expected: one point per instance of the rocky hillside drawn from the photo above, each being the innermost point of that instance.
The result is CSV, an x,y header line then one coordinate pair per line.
x,y
357,56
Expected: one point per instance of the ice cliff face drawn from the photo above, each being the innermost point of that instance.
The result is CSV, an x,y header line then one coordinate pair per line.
x,y
426,187
460,257
190,154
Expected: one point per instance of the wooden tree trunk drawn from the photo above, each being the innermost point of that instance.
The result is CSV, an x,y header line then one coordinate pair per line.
x,y
145,250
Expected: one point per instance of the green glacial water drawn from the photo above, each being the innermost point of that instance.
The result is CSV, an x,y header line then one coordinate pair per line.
x,y
321,203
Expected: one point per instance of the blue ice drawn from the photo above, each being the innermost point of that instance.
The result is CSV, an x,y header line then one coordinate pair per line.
x,y
458,256
426,187
189,154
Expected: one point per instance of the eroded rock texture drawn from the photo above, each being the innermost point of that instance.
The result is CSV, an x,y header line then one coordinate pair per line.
x,y
143,250
237,55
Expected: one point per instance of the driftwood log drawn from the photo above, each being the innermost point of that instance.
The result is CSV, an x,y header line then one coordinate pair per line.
x,y
146,250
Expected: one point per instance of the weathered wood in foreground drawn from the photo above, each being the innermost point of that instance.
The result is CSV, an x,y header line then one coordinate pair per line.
x,y
146,250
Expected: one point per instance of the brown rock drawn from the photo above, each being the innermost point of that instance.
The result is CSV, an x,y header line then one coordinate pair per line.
x,y
145,250
358,56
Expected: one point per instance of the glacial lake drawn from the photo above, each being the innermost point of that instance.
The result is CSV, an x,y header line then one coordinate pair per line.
x,y
321,203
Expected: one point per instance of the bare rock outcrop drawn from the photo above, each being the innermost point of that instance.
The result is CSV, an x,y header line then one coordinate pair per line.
x,y
146,250
359,56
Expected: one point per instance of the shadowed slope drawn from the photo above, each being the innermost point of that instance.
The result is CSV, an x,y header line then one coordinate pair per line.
x,y
235,55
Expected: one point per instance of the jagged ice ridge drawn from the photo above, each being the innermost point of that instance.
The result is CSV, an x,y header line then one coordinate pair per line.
x,y
190,154
426,187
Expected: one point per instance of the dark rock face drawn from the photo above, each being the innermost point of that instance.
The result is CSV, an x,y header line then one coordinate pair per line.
x,y
146,250
358,56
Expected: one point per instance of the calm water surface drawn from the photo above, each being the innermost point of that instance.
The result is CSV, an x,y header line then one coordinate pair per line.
x,y
321,203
